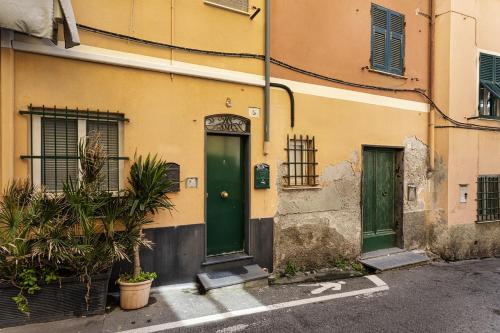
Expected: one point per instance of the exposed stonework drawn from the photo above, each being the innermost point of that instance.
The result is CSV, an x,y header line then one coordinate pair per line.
x,y
414,212
464,241
316,227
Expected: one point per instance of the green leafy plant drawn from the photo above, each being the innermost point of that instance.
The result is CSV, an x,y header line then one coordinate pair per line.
x,y
72,234
357,266
147,195
342,264
143,276
290,269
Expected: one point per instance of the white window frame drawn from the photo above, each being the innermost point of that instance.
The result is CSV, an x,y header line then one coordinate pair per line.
x,y
82,133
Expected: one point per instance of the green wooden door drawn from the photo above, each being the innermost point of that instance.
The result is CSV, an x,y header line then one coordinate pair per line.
x,y
378,199
225,194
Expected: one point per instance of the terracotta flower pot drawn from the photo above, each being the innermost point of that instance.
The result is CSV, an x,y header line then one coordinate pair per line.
x,y
134,295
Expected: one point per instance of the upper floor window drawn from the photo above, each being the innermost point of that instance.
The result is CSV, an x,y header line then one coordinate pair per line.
x,y
237,5
489,86
387,45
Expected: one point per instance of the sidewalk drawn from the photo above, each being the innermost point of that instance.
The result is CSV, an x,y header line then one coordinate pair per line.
x,y
182,305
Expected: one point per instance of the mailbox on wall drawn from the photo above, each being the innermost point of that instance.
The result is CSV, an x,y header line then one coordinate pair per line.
x,y
261,176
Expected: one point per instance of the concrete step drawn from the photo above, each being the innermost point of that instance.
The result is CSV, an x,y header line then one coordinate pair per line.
x,y
387,259
233,276
226,261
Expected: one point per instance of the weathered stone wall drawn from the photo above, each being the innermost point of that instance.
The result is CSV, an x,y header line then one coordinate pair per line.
x,y
315,227
415,212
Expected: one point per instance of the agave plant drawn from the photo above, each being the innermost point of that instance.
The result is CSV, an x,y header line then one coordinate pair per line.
x,y
147,195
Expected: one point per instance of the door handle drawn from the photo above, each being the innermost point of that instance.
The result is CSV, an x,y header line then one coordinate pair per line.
x,y
384,194
224,195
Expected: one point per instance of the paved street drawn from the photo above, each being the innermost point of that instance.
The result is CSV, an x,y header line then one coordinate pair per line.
x,y
441,297
457,297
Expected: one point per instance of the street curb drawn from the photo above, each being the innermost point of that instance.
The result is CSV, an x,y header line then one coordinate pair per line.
x,y
319,276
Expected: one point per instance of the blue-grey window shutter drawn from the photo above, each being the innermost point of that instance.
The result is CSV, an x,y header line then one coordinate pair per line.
x,y
379,38
396,41
387,40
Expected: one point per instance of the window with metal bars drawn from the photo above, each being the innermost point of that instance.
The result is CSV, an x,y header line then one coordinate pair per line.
x,y
489,86
388,40
301,161
54,138
488,198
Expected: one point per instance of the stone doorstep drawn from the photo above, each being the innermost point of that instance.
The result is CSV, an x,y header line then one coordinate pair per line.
x,y
320,276
396,260
248,276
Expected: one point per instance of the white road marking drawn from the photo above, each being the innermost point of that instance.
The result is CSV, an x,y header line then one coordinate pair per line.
x,y
375,279
232,329
335,286
380,286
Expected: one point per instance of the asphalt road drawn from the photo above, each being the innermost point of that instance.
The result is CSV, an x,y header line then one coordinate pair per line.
x,y
441,297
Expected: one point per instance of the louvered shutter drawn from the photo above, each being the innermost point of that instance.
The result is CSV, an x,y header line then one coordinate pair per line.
x,y
59,152
108,134
487,67
241,5
379,38
396,55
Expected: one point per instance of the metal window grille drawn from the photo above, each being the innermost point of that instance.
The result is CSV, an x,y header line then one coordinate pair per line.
x,y
301,161
488,198
58,140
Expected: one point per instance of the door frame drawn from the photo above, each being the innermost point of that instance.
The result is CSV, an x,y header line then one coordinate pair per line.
x,y
398,191
242,131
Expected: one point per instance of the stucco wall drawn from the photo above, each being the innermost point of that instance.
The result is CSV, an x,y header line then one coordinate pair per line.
x,y
316,227
463,30
333,38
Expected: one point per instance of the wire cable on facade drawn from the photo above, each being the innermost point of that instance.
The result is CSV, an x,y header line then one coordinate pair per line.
x,y
420,92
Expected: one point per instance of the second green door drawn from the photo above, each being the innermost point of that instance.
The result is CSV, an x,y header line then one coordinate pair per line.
x,y
225,194
379,228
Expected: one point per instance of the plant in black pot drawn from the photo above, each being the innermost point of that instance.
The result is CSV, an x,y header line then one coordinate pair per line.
x,y
147,195
56,248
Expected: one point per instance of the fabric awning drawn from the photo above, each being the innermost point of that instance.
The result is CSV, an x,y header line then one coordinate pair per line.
x,y
40,18
493,87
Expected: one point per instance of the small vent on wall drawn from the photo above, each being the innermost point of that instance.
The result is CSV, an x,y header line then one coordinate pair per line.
x,y
237,5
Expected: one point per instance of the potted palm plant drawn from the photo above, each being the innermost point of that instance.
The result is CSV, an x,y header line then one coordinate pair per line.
x,y
147,195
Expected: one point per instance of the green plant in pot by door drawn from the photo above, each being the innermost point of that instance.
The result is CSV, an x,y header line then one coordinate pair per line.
x,y
147,195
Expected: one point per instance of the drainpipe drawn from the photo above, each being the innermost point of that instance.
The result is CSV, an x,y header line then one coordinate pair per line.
x,y
432,114
267,76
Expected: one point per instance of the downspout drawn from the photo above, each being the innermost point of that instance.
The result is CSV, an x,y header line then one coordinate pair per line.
x,y
267,76
432,114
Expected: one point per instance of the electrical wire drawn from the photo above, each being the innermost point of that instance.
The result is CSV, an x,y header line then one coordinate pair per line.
x,y
422,93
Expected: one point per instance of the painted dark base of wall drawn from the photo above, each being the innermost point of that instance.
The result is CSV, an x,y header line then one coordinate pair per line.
x,y
178,252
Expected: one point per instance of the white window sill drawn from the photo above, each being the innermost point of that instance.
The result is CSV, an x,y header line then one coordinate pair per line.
x,y
487,222
396,76
301,188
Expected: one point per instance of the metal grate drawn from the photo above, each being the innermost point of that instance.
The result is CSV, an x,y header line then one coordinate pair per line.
x,y
488,198
301,161
54,147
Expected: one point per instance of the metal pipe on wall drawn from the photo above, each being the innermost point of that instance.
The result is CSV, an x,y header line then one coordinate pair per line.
x,y
267,76
432,115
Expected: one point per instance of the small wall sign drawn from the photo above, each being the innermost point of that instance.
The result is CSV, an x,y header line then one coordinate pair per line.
x,y
253,112
261,176
192,182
